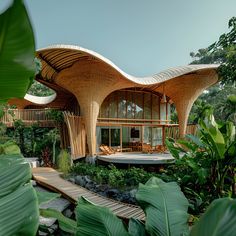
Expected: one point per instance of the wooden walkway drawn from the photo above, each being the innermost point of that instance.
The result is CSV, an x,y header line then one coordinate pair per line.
x,y
51,179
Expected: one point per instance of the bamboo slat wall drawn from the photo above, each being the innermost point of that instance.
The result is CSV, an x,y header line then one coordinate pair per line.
x,y
28,116
173,131
76,129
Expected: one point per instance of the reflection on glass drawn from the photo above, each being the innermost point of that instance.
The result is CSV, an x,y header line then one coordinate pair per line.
x,y
147,105
133,105
105,136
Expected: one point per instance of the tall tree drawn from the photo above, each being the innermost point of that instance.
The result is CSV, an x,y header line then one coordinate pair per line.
x,y
222,95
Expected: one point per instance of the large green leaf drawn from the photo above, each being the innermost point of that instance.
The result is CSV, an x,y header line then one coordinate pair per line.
x,y
44,197
218,220
137,228
17,49
18,201
9,147
97,220
165,207
213,135
14,172
66,224
19,214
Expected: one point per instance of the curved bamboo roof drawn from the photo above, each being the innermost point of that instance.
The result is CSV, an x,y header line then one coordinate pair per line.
x,y
59,57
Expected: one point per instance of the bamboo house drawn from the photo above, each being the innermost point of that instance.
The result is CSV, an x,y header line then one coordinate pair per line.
x,y
104,105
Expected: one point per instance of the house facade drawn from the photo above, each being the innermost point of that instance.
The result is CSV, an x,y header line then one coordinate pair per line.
x,y
118,109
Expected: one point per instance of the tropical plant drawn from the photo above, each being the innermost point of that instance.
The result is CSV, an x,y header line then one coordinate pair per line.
x,y
19,214
17,52
206,164
166,214
54,136
219,219
222,52
64,162
164,204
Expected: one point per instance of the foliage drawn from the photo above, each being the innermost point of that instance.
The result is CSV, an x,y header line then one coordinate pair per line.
x,y
46,157
64,162
219,97
19,213
38,89
164,204
53,136
9,147
56,115
165,207
227,42
222,52
205,165
219,219
17,49
118,178
199,111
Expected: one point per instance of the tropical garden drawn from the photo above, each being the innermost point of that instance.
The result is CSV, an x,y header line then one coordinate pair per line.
x,y
194,196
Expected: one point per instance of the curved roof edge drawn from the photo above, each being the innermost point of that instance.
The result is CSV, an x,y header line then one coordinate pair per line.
x,y
148,80
40,100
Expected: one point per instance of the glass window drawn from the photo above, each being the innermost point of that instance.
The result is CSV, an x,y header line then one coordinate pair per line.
x,y
122,104
163,112
105,136
132,105
138,100
156,136
155,107
104,111
147,106
130,113
113,105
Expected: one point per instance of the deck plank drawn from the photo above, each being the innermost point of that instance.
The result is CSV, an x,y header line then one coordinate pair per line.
x,y
51,179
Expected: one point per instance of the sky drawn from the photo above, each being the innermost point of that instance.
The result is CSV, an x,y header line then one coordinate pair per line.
x,y
142,37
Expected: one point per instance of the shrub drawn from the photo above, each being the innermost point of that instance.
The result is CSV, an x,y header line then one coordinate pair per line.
x,y
64,162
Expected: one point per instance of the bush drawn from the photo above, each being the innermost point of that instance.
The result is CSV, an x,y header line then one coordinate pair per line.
x,y
64,161
114,177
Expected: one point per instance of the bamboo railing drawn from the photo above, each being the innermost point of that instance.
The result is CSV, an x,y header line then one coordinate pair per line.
x,y
173,130
40,117
28,116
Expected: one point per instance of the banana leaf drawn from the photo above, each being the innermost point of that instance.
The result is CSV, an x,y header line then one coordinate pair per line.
x,y
19,214
218,220
9,147
14,172
165,207
66,224
44,197
17,50
137,228
213,136
97,220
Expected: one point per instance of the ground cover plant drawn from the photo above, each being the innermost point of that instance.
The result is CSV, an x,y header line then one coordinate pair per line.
x,y
115,177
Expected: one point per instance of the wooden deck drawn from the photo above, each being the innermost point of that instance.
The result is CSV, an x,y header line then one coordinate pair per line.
x,y
51,179
138,158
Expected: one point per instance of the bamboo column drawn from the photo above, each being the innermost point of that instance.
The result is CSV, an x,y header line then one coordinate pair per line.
x,y
91,81
184,90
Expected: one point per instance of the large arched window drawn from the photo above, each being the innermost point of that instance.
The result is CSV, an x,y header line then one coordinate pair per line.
x,y
134,105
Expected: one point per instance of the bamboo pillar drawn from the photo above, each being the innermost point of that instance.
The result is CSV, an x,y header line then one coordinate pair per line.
x,y
184,90
91,81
